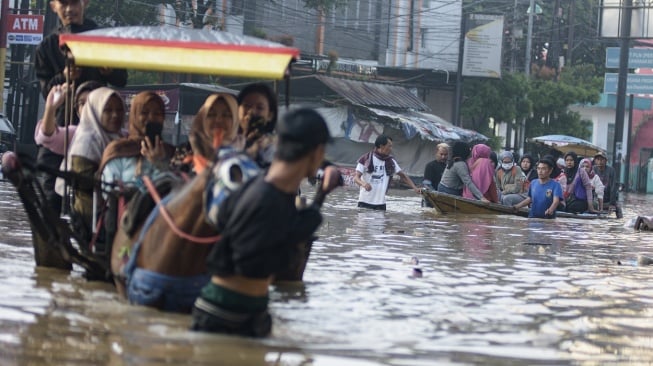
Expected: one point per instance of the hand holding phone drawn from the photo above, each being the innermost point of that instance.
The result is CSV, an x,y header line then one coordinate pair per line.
x,y
152,130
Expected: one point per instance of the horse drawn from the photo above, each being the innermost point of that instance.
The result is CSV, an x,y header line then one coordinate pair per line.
x,y
177,237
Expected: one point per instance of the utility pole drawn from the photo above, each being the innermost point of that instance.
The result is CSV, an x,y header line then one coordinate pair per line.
x,y
527,70
529,39
457,121
624,36
4,10
570,33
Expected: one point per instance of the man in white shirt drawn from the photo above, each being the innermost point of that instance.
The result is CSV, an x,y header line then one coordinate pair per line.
x,y
374,172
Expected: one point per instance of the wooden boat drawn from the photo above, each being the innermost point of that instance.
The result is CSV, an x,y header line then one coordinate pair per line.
x,y
446,204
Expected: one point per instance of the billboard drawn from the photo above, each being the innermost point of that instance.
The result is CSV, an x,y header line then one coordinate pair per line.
x,y
482,47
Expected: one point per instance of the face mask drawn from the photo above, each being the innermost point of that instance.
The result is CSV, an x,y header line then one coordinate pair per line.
x,y
506,166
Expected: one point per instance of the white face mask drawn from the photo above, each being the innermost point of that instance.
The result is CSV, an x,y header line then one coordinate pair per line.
x,y
506,166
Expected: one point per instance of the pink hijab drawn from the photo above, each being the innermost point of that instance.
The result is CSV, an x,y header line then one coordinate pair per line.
x,y
588,161
481,171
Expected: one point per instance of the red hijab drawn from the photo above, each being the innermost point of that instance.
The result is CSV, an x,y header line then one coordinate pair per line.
x,y
482,173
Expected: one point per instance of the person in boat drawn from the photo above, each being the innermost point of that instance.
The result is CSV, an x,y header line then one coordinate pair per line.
x,y
47,132
494,158
456,174
597,186
544,194
578,194
609,179
527,165
481,171
51,70
247,257
511,180
127,159
558,173
164,269
434,169
100,123
374,171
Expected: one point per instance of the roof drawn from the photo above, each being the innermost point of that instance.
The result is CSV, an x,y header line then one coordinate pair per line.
x,y
371,94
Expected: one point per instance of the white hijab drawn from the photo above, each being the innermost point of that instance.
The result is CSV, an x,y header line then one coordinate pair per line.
x,y
90,137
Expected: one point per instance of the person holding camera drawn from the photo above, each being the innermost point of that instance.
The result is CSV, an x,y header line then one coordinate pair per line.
x,y
257,113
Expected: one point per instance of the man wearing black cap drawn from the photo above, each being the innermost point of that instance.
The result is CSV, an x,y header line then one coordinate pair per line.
x,y
51,70
608,178
261,228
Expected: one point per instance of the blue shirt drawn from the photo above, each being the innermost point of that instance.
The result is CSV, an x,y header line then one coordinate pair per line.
x,y
542,197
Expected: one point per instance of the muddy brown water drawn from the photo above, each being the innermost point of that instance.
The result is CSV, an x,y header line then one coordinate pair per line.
x,y
496,290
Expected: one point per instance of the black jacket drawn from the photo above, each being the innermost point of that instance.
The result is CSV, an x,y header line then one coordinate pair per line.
x,y
50,62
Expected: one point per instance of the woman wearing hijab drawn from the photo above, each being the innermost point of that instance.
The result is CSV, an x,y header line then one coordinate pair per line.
x,y
127,159
166,270
527,165
578,194
456,174
101,123
597,185
200,150
482,173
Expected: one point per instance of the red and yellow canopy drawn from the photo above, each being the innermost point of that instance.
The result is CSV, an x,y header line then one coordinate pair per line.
x,y
171,49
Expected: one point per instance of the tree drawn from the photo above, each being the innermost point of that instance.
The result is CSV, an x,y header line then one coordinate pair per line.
x,y
577,85
122,13
322,7
503,99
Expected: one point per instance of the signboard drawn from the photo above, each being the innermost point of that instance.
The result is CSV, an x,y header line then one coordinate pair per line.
x,y
24,29
482,48
635,84
637,57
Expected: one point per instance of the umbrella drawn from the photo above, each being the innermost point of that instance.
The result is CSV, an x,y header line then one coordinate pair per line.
x,y
565,144
172,49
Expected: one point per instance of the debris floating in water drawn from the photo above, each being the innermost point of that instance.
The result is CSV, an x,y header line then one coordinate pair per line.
x,y
417,273
412,260
644,260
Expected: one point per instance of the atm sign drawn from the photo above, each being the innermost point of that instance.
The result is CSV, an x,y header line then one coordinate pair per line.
x,y
24,29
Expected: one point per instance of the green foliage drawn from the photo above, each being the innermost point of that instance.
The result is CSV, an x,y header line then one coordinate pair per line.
x,y
122,12
502,99
259,33
577,85
137,77
324,5
543,102
496,142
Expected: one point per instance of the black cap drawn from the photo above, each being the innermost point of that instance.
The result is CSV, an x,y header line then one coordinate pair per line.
x,y
304,126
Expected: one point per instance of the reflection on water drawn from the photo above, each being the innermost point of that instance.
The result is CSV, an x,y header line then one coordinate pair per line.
x,y
495,290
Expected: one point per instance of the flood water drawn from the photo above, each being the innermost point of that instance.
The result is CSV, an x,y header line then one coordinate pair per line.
x,y
496,290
